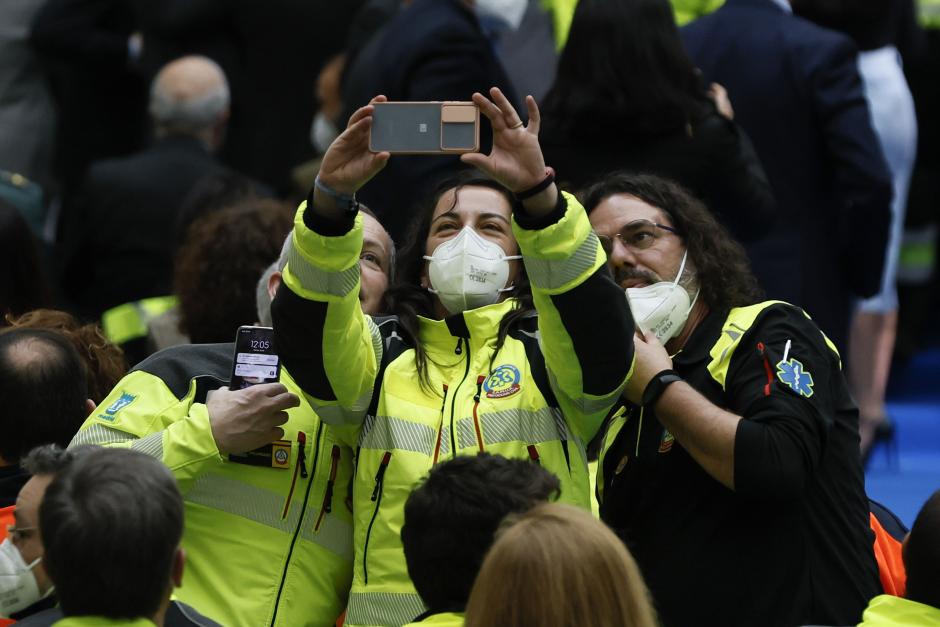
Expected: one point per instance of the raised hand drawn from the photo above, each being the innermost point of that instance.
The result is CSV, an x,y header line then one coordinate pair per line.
x,y
348,164
243,420
516,158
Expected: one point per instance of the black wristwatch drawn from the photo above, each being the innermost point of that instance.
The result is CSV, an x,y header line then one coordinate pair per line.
x,y
657,385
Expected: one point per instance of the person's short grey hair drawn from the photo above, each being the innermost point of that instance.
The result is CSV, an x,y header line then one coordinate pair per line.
x,y
188,111
262,298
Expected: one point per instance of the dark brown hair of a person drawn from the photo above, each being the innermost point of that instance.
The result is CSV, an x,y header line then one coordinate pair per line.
x,y
558,566
104,362
218,266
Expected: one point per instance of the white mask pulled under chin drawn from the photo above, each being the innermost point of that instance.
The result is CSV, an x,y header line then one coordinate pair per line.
x,y
18,586
468,271
662,307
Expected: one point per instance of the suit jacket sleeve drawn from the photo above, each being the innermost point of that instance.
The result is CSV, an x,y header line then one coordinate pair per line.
x,y
860,178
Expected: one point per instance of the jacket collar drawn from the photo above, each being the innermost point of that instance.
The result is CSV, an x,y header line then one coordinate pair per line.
x,y
480,323
697,348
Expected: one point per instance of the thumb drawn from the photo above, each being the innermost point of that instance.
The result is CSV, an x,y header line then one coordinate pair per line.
x,y
476,159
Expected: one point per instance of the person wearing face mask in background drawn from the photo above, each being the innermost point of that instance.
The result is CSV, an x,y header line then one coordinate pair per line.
x,y
23,579
733,471
26,589
484,351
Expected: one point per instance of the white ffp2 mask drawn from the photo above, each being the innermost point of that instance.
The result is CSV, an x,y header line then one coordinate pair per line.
x,y
468,271
18,586
662,307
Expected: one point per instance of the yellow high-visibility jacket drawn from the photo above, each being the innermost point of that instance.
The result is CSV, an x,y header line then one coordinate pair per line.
x,y
541,397
267,542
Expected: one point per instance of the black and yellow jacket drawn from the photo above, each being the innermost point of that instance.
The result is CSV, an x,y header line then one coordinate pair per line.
x,y
541,397
268,538
791,544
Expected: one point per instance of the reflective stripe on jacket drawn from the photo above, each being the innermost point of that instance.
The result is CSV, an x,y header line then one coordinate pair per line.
x,y
265,544
541,397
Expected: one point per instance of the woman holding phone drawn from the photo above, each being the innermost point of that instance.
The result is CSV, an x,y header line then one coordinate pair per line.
x,y
507,335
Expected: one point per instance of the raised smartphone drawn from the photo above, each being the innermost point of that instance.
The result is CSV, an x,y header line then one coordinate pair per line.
x,y
425,128
255,361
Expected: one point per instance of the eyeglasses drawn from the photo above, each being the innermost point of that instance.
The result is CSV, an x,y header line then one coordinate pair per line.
x,y
636,236
18,534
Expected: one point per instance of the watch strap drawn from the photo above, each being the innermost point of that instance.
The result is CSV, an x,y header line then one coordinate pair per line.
x,y
347,201
657,385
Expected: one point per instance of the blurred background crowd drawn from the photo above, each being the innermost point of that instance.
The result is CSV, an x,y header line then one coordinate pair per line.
x,y
152,155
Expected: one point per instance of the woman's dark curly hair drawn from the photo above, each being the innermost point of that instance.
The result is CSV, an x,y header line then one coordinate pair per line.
x,y
104,361
218,266
407,300
721,265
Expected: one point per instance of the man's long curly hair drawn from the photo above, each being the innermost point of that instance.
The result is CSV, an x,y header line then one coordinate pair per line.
x,y
721,265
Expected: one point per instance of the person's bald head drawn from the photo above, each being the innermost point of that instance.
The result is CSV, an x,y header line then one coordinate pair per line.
x,y
190,96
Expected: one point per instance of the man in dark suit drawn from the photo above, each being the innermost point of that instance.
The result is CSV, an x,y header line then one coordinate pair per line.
x,y
796,91
122,243
431,50
271,53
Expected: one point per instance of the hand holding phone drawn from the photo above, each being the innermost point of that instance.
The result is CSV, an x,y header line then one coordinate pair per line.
x,y
516,160
348,163
243,420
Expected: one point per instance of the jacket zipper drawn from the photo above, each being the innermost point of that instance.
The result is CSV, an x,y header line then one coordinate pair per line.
x,y
377,499
440,428
770,376
453,432
476,419
300,519
327,506
302,438
299,466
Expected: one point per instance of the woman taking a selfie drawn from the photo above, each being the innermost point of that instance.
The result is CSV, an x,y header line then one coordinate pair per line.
x,y
507,335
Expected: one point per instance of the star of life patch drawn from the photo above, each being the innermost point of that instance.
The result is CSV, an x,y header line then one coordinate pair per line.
x,y
794,375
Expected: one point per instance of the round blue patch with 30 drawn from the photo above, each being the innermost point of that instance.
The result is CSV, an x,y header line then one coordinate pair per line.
x,y
502,382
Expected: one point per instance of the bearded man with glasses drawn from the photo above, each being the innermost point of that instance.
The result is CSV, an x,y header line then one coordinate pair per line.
x,y
732,471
